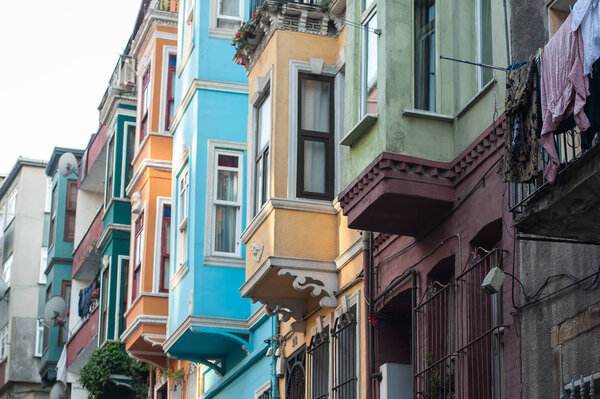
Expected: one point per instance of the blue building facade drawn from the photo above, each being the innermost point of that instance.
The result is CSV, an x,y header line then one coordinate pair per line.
x,y
209,322
61,205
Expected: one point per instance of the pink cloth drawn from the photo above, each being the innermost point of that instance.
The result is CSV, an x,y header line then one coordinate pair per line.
x,y
564,88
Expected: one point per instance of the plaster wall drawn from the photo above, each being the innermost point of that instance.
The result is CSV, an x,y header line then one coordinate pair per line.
x,y
550,358
88,203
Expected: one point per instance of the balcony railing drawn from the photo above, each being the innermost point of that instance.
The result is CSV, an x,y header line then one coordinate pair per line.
x,y
256,4
570,146
165,5
86,255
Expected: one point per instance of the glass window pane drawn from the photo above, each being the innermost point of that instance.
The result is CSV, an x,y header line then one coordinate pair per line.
x,y
259,184
264,123
229,24
225,223
230,8
227,185
371,65
230,161
314,166
315,105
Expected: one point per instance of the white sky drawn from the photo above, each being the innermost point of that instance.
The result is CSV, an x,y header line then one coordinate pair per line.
x,y
57,58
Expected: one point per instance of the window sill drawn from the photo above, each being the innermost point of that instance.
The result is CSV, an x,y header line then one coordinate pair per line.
x,y
419,113
178,276
359,130
216,33
186,56
225,261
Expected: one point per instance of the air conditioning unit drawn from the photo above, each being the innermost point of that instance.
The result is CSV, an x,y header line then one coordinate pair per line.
x,y
396,381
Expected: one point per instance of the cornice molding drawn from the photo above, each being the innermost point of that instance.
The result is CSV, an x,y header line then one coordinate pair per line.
x,y
151,19
145,164
349,254
139,321
109,229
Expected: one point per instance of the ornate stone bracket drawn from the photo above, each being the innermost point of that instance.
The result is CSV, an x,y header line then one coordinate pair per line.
x,y
320,283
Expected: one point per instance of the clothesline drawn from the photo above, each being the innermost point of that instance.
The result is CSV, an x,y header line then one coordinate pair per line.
x,y
498,68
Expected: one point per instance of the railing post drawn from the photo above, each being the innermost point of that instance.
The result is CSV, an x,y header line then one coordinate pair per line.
x,y
581,387
592,387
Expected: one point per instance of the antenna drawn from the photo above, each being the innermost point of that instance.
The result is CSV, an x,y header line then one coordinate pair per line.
x,y
58,391
67,164
54,311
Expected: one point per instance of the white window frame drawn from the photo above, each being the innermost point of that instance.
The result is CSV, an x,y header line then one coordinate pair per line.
x,y
264,388
366,16
4,343
183,185
48,203
119,293
347,302
187,33
297,67
43,264
2,218
479,34
215,148
257,105
164,86
223,33
191,392
321,323
11,206
161,202
7,266
39,339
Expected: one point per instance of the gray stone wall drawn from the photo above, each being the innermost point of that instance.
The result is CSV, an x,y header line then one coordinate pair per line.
x,y
528,27
560,335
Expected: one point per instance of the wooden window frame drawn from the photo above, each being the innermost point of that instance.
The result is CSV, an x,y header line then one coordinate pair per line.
x,y
136,271
309,135
164,255
53,211
125,289
145,107
172,70
110,169
46,328
422,72
130,153
105,294
70,212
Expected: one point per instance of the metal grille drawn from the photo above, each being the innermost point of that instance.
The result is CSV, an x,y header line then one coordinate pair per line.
x,y
319,365
265,395
345,355
457,336
569,148
295,383
256,4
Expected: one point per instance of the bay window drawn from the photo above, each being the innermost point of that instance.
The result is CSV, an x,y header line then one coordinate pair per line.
x,y
71,206
4,343
43,265
138,251
425,55
66,295
130,153
369,57
315,137
124,292
226,202
7,270
11,211
484,41
170,110
105,286
227,16
53,215
261,157
110,168
39,339
145,104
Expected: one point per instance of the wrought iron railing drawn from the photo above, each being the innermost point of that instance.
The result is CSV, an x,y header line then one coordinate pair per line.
x,y
569,148
457,335
256,4
577,389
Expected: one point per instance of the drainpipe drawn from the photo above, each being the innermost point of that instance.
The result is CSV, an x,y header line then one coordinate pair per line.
x,y
274,379
367,244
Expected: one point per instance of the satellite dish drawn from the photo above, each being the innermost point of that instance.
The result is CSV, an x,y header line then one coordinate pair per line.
x,y
58,391
67,164
54,311
2,288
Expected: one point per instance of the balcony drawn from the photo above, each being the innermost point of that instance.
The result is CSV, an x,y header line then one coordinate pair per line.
x,y
569,208
82,344
256,4
146,329
86,257
121,87
93,163
165,5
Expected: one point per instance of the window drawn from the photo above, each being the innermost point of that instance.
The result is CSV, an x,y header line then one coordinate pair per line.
x,y
315,137
46,328
66,295
125,279
165,249
48,195
130,153
4,343
182,217
110,169
369,58
319,364
425,59
2,218
345,339
170,111
6,270
264,392
105,283
484,41
43,265
39,339
53,215
226,203
188,27
145,100
227,17
261,158
295,375
70,210
138,254
11,210
191,388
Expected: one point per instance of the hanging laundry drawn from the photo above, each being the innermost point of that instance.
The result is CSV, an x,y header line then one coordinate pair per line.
x,y
592,108
564,88
523,121
586,13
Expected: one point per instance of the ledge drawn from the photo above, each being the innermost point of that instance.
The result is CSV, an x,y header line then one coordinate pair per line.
x,y
359,129
419,113
476,97
179,274
225,261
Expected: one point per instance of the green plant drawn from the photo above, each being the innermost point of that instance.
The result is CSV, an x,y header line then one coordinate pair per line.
x,y
112,359
241,40
324,5
173,374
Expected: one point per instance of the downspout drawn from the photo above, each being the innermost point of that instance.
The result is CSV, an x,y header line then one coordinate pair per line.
x,y
367,243
274,379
